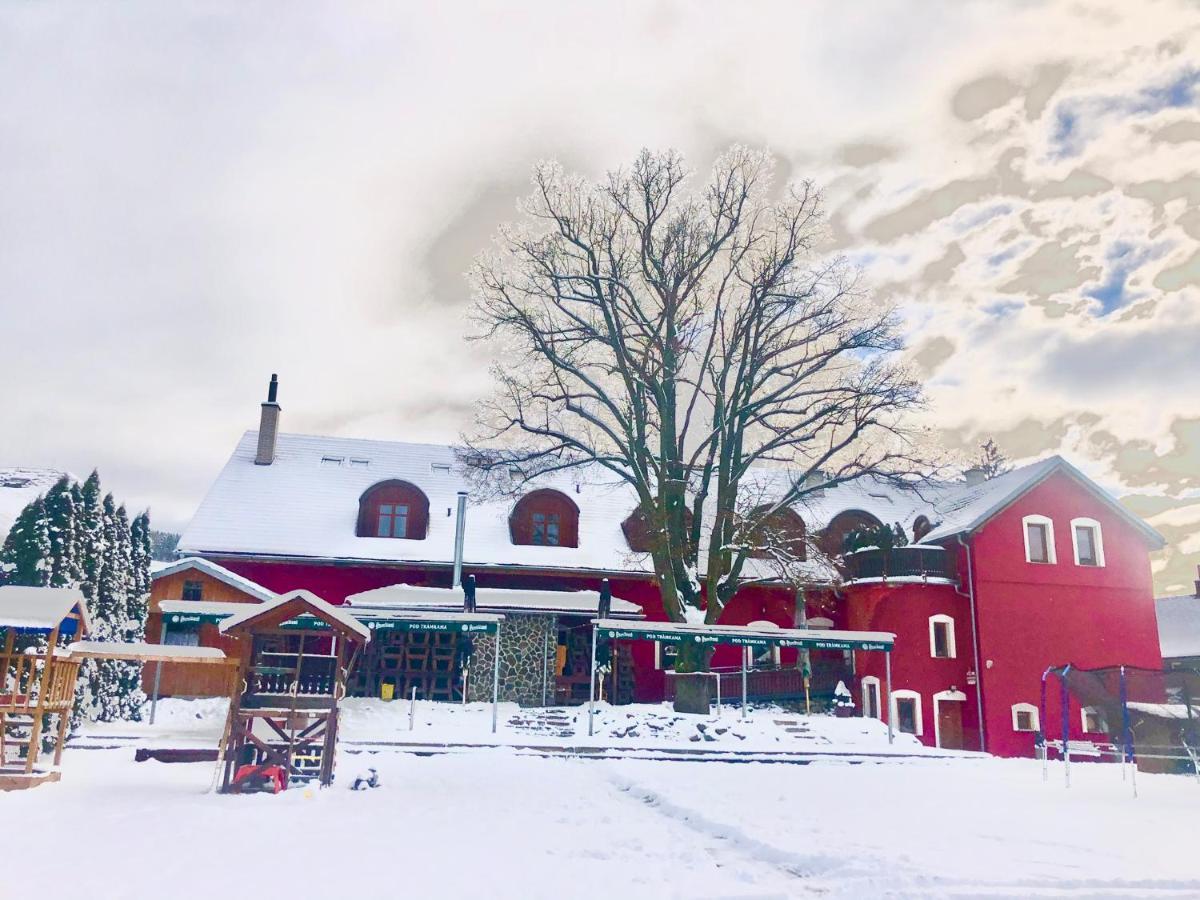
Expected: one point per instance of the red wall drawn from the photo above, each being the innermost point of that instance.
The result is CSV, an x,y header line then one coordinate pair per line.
x,y
336,582
904,609
1032,616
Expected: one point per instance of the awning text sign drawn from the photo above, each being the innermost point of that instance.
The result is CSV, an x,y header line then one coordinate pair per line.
x,y
741,640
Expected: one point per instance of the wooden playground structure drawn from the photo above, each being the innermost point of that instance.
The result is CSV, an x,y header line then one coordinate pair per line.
x,y
295,654
39,676
38,686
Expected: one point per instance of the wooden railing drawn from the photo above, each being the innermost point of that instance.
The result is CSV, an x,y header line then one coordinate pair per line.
x,y
899,562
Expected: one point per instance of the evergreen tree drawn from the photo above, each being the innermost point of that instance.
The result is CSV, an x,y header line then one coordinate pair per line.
x,y
163,544
130,619
64,544
25,558
89,532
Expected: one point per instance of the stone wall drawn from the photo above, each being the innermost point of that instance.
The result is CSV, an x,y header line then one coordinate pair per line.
x,y
527,648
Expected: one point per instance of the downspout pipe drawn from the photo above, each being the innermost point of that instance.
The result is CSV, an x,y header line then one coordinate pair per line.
x,y
974,642
460,529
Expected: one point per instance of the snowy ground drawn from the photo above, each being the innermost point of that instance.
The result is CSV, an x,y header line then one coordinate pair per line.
x,y
368,724
492,823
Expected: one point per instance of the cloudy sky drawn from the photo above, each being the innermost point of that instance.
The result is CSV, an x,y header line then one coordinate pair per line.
x,y
193,196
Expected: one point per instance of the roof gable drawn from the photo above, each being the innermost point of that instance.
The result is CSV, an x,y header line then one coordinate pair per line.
x,y
969,508
296,603
42,608
234,580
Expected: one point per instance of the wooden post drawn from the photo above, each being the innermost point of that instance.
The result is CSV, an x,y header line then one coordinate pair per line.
x,y
35,729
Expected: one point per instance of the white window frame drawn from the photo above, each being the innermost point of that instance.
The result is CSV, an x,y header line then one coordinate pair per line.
x,y
942,619
939,698
1034,717
1097,539
1051,554
895,719
1083,720
871,683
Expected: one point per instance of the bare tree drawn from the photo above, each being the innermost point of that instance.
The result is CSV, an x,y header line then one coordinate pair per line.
x,y
697,346
990,460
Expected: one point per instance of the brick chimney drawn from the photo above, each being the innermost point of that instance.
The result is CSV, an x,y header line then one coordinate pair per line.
x,y
975,475
268,426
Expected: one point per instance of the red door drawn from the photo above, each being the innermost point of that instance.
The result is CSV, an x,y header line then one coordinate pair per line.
x,y
950,732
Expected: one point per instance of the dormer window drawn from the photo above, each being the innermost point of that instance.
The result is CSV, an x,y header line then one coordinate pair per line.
x,y
393,509
393,520
545,518
921,527
778,533
641,533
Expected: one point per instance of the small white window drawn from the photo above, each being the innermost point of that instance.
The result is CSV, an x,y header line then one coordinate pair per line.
x,y
1039,539
440,468
870,697
332,460
1088,542
1093,721
941,637
906,712
1024,717
359,463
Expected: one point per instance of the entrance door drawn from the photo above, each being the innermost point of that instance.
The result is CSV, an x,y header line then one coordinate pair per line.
x,y
950,732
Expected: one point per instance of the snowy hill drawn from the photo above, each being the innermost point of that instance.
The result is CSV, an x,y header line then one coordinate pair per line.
x,y
17,487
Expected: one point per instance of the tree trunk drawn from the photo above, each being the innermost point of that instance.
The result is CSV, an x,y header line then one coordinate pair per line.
x,y
692,693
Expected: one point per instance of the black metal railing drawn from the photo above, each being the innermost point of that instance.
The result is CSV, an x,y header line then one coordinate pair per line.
x,y
900,562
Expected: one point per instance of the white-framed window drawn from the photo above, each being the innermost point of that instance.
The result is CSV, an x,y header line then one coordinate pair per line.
x,y
1039,539
1088,541
1093,721
870,698
1024,717
941,637
665,653
906,712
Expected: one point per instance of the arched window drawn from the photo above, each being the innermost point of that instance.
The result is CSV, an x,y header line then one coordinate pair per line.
x,y
833,539
393,509
781,531
1039,539
639,533
1088,542
545,518
921,526
941,637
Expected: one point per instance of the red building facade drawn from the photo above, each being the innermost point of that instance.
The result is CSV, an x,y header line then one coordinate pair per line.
x,y
1034,568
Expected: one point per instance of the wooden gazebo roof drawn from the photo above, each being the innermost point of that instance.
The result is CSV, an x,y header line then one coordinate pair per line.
x,y
287,607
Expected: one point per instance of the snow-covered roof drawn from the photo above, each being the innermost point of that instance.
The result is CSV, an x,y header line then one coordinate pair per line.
x,y
204,607
320,607
40,608
407,596
234,580
1178,626
306,505
141,651
963,508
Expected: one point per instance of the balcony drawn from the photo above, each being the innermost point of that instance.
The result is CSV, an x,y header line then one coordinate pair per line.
x,y
913,563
